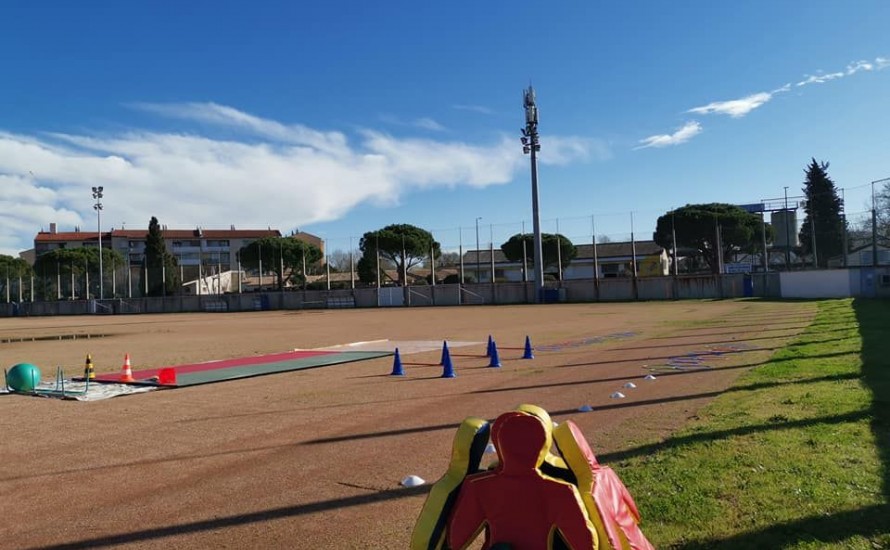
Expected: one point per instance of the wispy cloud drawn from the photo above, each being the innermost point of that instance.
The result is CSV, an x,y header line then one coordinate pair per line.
x,y
284,175
854,67
428,124
684,134
474,108
735,108
222,115
424,123
820,78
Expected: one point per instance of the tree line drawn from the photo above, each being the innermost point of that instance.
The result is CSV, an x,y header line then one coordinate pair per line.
x,y
707,235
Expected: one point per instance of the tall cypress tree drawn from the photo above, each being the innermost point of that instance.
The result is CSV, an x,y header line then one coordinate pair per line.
x,y
823,211
160,264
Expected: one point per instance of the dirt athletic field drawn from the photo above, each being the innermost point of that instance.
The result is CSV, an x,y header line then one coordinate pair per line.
x,y
313,459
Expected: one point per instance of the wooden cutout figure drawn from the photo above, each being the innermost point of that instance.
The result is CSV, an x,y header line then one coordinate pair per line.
x,y
466,456
608,502
518,506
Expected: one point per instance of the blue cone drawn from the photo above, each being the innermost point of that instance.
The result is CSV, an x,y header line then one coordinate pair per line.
x,y
528,349
488,349
397,369
448,371
445,352
495,360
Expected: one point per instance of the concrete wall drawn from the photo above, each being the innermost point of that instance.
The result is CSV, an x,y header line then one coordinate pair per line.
x,y
616,289
828,283
833,283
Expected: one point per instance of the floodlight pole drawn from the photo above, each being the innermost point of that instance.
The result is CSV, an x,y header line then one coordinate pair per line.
x,y
97,194
530,145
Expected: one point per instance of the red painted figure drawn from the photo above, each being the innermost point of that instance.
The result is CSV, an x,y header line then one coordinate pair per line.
x,y
516,504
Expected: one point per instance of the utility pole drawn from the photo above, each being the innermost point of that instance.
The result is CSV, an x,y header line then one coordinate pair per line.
x,y
874,222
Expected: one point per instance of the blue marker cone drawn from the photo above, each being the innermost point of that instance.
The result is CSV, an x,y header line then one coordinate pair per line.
x,y
397,369
528,349
488,348
448,371
495,360
445,352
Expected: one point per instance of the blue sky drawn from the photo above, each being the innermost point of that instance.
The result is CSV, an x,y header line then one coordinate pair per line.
x,y
341,117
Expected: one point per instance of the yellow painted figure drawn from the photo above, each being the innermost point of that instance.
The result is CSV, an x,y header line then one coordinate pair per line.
x,y
466,456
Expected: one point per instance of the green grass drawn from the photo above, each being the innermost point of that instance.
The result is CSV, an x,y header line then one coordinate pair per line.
x,y
796,455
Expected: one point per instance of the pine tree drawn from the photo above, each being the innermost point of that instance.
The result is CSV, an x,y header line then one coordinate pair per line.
x,y
823,211
160,264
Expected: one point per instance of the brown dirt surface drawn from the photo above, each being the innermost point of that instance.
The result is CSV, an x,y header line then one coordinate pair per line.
x,y
313,458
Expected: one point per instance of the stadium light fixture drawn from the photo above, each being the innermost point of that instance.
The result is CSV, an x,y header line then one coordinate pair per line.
x,y
97,195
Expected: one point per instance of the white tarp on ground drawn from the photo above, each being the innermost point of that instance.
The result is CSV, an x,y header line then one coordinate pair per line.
x,y
405,346
75,390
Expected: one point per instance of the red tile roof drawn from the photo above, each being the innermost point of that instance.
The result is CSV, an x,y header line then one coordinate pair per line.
x,y
69,236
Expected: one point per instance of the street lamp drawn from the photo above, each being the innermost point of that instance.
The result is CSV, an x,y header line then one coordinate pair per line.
x,y
97,194
787,233
477,248
531,146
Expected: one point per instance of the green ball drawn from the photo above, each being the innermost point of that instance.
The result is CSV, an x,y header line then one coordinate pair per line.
x,y
23,377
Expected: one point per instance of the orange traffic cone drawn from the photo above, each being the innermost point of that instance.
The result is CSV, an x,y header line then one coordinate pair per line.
x,y
126,371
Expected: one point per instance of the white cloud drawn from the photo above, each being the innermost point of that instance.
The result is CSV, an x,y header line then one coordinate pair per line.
x,y
213,113
684,134
820,78
474,108
428,124
857,66
424,123
560,150
852,68
292,176
735,108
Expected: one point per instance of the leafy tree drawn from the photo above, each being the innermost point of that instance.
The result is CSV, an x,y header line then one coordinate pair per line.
x,y
64,262
823,211
160,265
513,249
696,228
282,255
402,246
11,269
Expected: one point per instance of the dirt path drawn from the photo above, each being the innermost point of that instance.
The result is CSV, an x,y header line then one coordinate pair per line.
x,y
312,459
